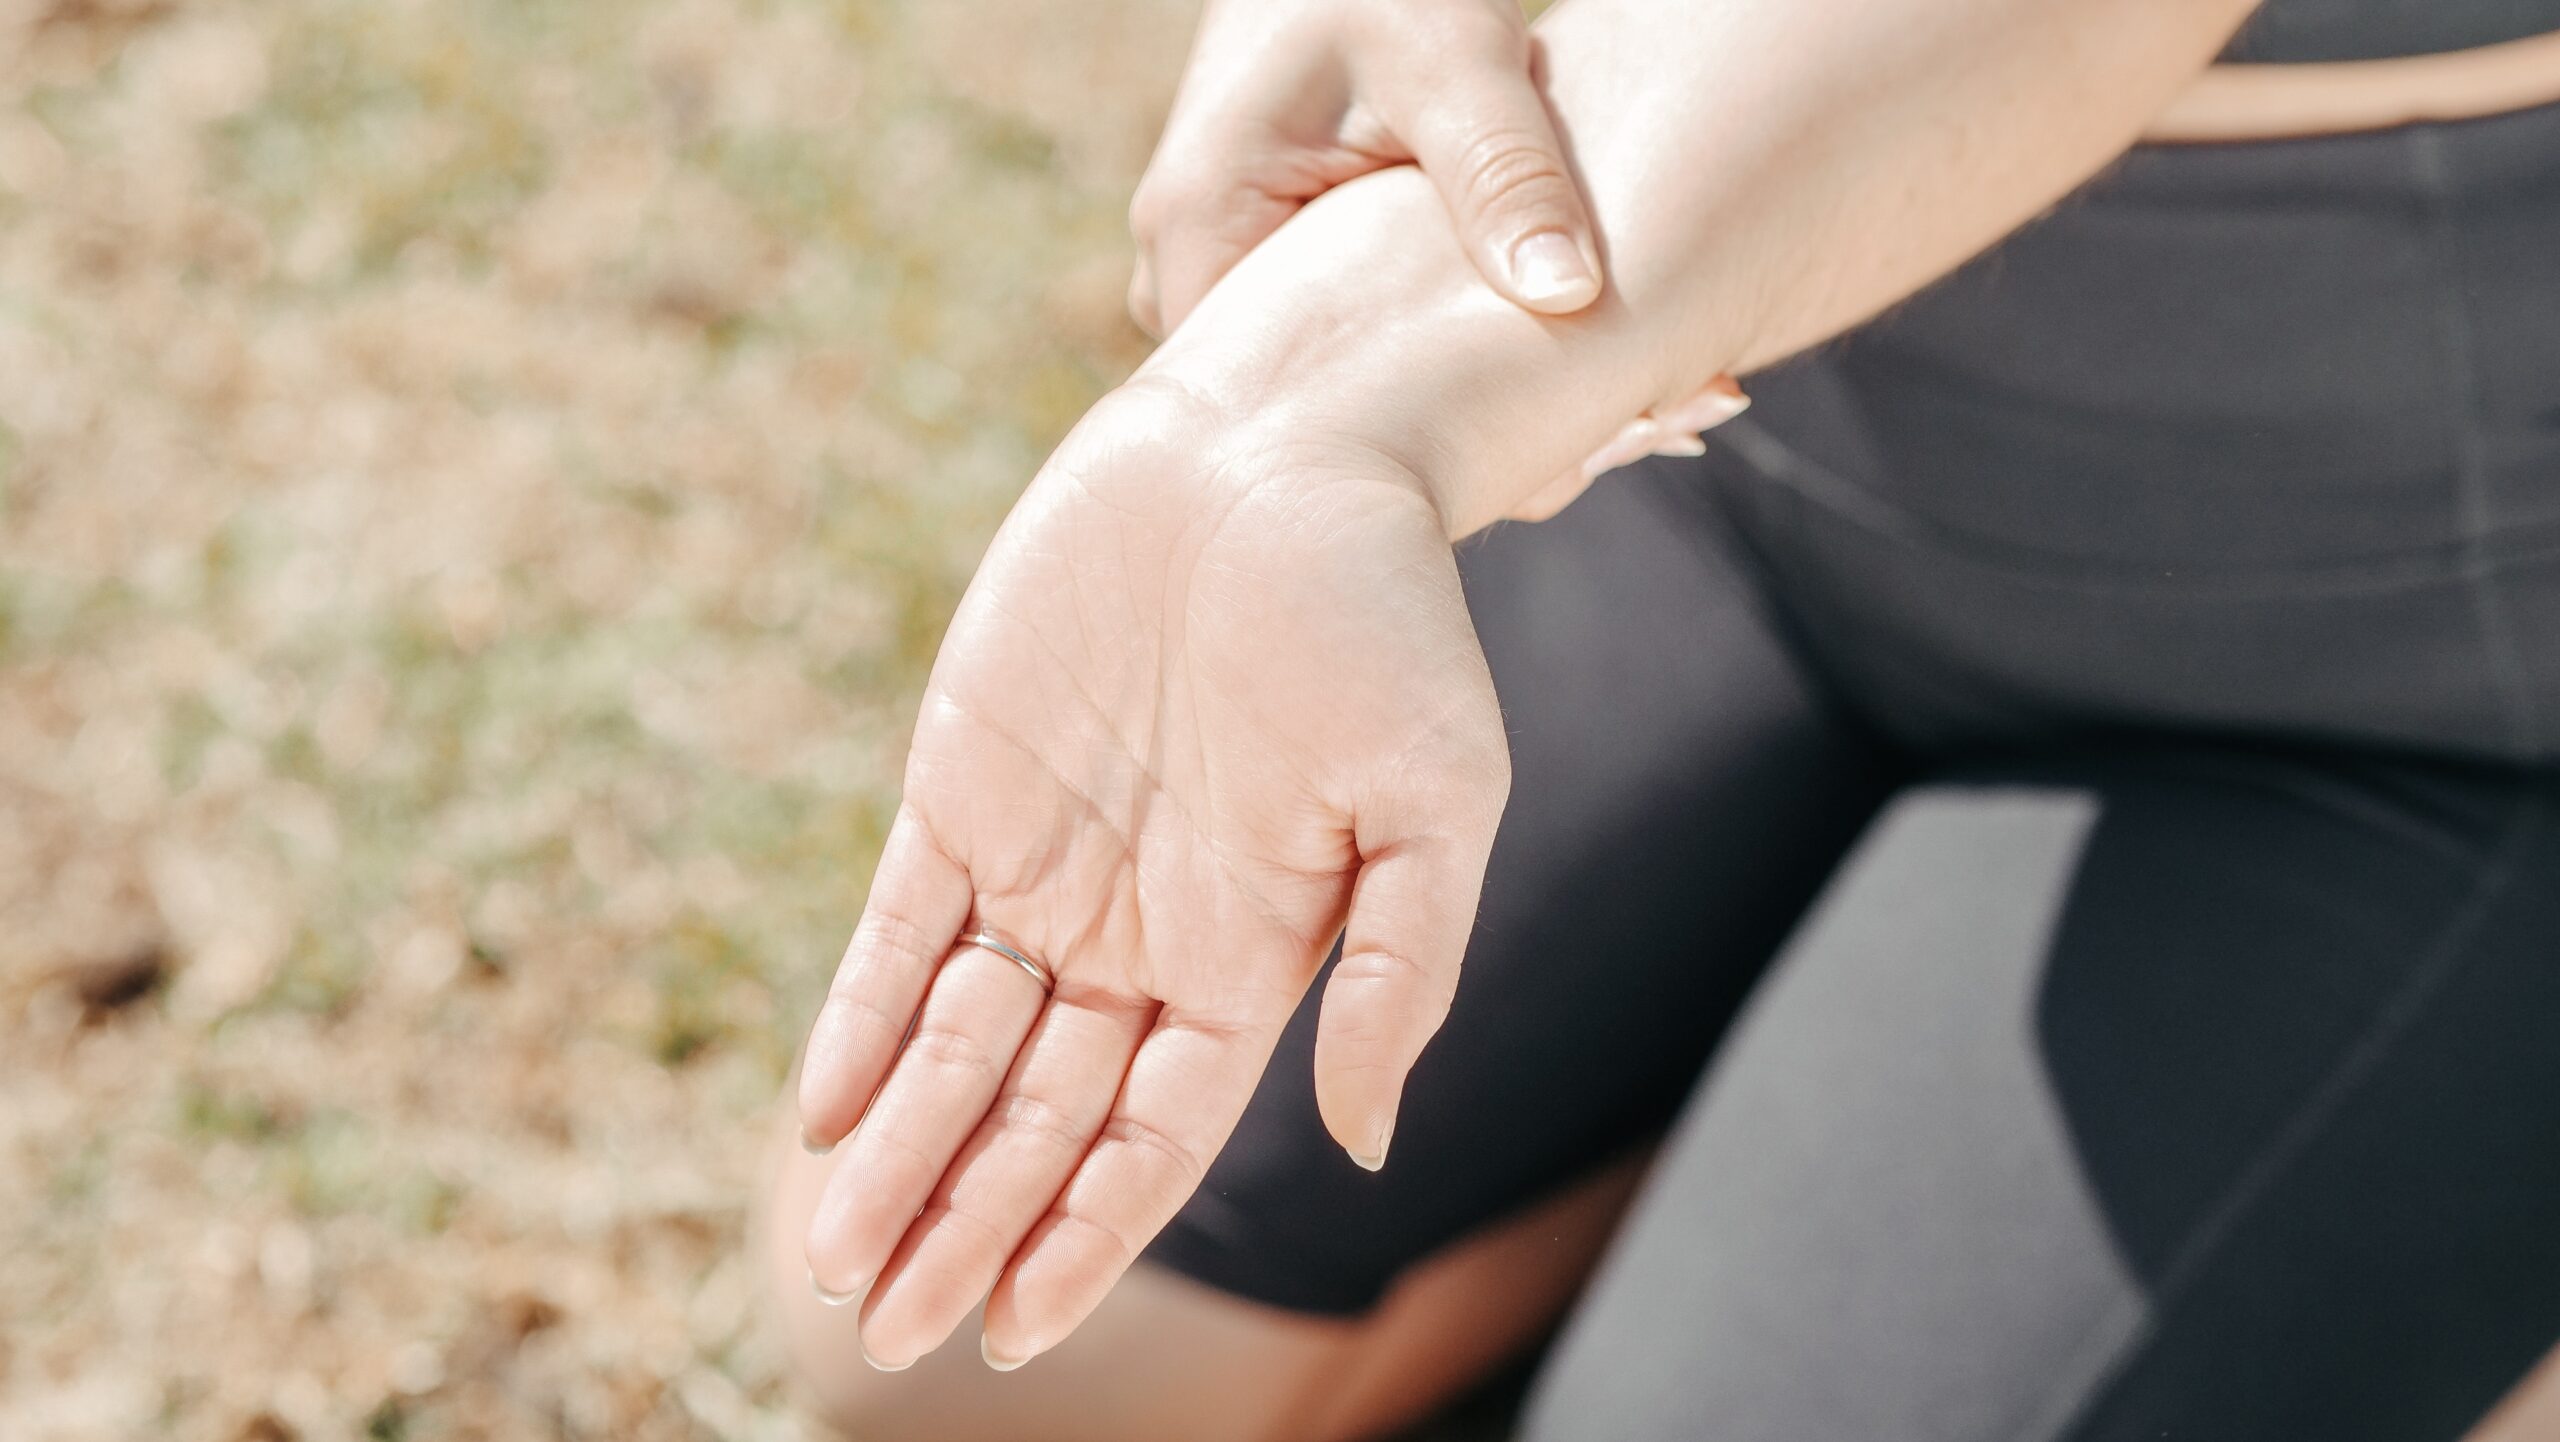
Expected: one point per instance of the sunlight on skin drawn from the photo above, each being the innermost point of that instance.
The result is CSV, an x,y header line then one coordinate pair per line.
x,y
1142,779
1281,103
1165,1359
1213,696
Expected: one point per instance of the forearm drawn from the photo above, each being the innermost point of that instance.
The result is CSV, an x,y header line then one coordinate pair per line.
x,y
1765,173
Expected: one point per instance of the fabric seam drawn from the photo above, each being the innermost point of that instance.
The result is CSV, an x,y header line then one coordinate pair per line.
x,y
2475,497
1820,486
2442,960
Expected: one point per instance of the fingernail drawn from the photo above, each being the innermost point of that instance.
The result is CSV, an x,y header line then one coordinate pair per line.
x,y
1679,443
1634,441
810,1144
1719,406
1709,408
987,1351
879,1366
1548,269
836,1299
1376,1156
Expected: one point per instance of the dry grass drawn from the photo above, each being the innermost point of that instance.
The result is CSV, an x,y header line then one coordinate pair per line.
x,y
482,479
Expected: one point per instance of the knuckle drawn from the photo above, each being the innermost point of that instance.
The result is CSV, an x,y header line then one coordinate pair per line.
x,y
884,939
1172,187
1161,1152
962,1223
1147,209
1383,964
1036,1120
1123,1247
946,1048
1419,992
897,1165
1361,1047
862,1014
1503,171
1144,312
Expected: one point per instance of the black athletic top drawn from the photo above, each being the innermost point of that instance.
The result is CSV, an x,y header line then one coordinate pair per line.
x,y
2303,31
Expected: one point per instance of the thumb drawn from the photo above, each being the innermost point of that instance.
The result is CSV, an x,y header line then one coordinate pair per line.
x,y
1484,137
1411,910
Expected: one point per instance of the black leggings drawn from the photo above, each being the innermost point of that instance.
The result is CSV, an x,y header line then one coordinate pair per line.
x,y
2106,727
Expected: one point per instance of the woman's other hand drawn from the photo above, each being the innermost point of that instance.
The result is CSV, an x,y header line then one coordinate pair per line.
x,y
1286,99
1212,700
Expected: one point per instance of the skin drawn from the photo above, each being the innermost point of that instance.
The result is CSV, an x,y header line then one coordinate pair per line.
x,y
1165,1359
1281,103
1213,699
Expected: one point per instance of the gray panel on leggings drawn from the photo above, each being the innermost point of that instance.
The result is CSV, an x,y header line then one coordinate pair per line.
x,y
1869,1224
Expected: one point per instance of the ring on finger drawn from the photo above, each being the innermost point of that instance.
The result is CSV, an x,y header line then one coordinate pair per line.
x,y
986,939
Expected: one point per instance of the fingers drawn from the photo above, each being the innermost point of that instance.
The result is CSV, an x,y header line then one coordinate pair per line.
x,y
1040,1127
1667,431
919,898
1548,501
1144,308
1193,222
1411,911
973,1022
1185,1089
1670,430
1716,402
1482,133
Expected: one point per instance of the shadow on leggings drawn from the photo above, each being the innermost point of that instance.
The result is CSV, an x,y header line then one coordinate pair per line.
x,y
2210,1095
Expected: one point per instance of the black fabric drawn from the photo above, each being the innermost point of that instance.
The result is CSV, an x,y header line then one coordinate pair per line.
x,y
2344,1219
2164,1092
2288,31
2249,455
1680,789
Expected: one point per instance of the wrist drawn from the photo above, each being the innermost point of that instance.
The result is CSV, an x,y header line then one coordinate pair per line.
x,y
1362,323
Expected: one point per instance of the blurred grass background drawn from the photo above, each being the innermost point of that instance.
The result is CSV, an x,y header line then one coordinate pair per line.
x,y
480,483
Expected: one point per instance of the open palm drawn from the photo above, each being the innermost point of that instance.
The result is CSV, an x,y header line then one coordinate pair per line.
x,y
1207,698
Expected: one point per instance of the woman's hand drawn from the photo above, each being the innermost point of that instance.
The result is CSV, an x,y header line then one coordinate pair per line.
x,y
1286,99
1213,693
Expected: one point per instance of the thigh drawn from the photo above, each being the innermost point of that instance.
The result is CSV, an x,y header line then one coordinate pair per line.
x,y
1680,788
2203,1095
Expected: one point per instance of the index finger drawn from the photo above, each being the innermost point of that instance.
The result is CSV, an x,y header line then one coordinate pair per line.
x,y
1204,238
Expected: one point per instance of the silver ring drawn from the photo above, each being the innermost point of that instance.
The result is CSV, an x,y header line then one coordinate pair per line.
x,y
990,941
